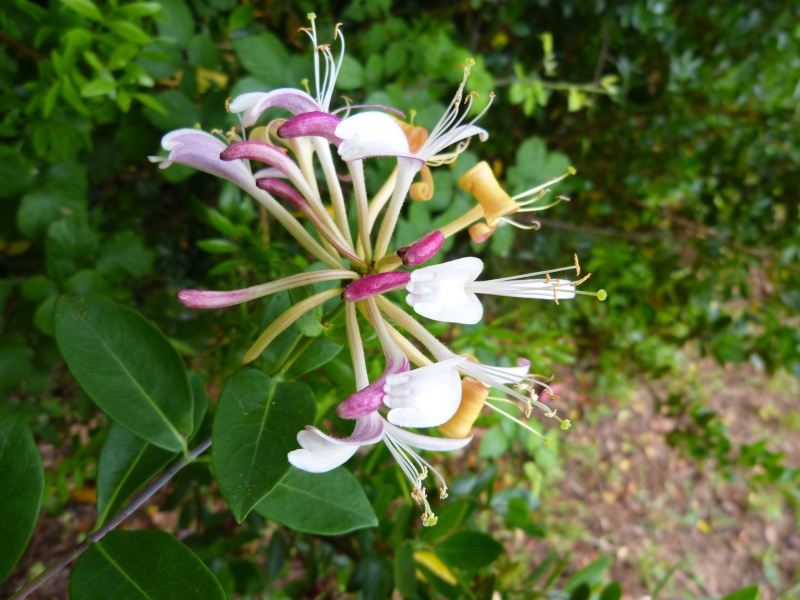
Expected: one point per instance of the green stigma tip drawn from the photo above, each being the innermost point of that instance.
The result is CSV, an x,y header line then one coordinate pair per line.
x,y
311,16
601,295
566,424
571,170
470,62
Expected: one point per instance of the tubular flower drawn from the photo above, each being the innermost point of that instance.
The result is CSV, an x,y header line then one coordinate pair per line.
x,y
278,165
447,292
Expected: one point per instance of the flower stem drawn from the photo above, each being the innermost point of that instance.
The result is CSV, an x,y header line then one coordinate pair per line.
x,y
462,222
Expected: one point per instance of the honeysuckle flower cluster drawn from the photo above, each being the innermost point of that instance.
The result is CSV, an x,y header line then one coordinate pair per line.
x,y
275,163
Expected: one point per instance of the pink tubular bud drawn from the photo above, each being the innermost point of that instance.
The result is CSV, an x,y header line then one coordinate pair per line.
x,y
372,285
422,250
278,187
208,299
320,124
260,151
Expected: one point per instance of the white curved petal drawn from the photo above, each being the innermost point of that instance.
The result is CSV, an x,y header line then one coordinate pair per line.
x,y
426,442
439,292
369,134
321,452
424,397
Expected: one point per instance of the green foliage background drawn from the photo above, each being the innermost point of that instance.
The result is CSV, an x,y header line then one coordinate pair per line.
x,y
679,117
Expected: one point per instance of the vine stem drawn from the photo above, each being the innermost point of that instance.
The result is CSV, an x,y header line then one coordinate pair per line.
x,y
116,520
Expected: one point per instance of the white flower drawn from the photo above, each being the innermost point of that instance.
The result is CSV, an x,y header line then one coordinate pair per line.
x,y
447,292
320,452
424,397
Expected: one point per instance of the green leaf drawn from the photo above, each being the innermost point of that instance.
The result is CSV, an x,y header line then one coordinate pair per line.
x,y
17,174
130,32
469,550
41,206
122,55
179,110
746,593
126,463
278,351
264,56
329,503
140,9
38,287
15,360
125,255
202,52
351,76
127,367
146,565
450,517
86,8
320,352
613,591
591,574
405,571
178,22
21,486
255,427
217,246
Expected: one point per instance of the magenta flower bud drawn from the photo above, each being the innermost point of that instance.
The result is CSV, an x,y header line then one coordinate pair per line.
x,y
261,152
422,250
278,187
320,124
372,285
208,299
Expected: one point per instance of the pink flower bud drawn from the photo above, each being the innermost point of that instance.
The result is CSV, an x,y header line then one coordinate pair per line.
x,y
422,250
372,285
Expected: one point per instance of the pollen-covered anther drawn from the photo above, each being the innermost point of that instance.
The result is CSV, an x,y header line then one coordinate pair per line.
x,y
442,493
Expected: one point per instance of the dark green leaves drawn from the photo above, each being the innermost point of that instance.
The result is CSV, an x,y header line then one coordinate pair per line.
x,y
21,484
329,503
469,550
255,427
127,367
134,565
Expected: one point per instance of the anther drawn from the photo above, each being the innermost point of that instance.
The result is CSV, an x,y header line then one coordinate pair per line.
x,y
577,266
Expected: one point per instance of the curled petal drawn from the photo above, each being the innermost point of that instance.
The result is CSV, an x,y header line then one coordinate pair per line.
x,y
320,452
255,103
424,397
370,399
439,292
370,134
201,150
320,124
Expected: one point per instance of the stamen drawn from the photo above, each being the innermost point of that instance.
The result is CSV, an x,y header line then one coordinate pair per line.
x,y
517,421
533,226
577,266
580,281
539,188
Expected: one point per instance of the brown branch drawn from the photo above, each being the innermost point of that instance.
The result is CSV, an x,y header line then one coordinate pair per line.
x,y
12,43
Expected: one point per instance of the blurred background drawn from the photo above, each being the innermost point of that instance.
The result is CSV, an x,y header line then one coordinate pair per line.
x,y
679,476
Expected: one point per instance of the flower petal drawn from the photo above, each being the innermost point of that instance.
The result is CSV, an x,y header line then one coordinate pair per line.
x,y
370,134
439,292
321,452
201,150
426,442
424,397
254,103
